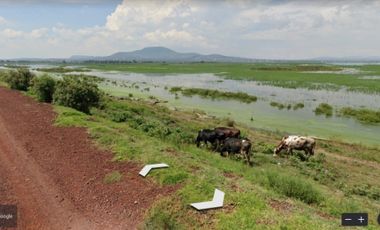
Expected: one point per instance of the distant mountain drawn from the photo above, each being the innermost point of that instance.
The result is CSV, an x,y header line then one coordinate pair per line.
x,y
160,54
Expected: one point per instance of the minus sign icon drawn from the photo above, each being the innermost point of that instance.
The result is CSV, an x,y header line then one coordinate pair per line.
x,y
347,219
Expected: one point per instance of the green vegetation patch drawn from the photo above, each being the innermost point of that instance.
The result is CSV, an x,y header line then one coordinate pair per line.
x,y
44,88
304,67
294,187
214,94
363,115
287,75
78,93
61,70
20,79
281,106
324,109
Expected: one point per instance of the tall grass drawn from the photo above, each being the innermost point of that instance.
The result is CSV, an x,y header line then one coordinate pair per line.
x,y
294,187
362,115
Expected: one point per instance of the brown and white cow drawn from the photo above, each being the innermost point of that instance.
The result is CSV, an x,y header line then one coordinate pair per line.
x,y
289,143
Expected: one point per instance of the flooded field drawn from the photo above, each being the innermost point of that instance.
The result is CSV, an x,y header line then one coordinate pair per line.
x,y
258,114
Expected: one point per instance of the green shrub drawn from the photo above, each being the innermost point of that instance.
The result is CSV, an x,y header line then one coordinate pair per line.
x,y
78,93
276,104
3,76
294,187
44,88
324,109
20,79
120,116
298,106
363,115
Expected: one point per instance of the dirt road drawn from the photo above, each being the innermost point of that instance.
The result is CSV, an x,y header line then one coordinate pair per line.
x,y
55,175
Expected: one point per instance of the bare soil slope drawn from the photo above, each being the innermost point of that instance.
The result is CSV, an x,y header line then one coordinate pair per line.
x,y
55,174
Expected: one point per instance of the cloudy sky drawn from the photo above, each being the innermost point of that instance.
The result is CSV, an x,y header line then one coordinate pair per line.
x,y
277,29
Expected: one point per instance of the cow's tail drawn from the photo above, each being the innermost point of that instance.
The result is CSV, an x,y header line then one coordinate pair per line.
x,y
319,138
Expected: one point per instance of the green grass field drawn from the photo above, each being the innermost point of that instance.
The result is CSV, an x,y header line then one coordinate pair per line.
x,y
275,193
282,75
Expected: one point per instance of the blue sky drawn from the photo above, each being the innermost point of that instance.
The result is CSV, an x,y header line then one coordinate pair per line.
x,y
29,16
256,29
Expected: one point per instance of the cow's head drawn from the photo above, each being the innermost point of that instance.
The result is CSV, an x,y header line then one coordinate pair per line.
x,y
278,148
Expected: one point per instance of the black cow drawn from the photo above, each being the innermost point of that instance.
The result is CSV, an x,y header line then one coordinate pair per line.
x,y
237,146
207,135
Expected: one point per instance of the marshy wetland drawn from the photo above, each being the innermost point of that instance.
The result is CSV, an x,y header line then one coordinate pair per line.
x,y
327,101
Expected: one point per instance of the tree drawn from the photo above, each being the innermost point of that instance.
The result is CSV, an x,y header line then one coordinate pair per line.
x,y
44,88
77,92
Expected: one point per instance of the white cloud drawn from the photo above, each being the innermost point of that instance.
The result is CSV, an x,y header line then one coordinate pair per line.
x,y
11,33
172,35
38,33
289,29
137,13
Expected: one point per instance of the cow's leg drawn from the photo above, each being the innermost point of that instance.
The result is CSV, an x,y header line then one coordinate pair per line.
x,y
289,151
222,150
311,152
214,145
248,157
198,141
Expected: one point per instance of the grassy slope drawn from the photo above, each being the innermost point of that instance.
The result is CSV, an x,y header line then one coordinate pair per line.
x,y
251,200
291,78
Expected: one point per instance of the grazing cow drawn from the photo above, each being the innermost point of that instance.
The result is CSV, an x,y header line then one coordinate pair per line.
x,y
289,143
236,146
223,133
207,135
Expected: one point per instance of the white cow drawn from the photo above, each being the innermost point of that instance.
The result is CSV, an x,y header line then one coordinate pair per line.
x,y
296,142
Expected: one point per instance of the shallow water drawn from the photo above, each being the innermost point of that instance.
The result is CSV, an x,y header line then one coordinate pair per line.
x,y
301,121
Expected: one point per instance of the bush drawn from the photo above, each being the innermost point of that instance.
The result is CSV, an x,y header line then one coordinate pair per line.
x,y
78,93
325,109
20,79
44,87
294,187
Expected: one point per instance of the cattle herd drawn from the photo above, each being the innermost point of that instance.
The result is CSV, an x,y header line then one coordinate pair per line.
x,y
228,140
